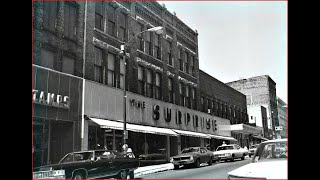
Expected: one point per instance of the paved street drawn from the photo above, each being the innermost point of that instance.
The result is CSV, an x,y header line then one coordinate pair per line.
x,y
217,170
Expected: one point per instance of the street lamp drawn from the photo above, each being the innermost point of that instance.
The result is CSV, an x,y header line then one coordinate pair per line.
x,y
157,30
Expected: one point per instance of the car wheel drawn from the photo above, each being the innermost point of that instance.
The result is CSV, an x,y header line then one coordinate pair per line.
x,y
210,162
176,166
78,175
197,163
249,155
232,159
131,174
123,174
242,158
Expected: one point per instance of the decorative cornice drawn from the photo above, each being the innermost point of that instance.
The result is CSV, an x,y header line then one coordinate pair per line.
x,y
179,44
187,82
145,63
170,74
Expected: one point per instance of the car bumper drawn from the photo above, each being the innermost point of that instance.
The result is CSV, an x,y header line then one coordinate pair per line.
x,y
183,162
55,174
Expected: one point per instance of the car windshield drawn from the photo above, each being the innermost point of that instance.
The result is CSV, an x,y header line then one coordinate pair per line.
x,y
79,156
254,146
220,148
188,150
272,150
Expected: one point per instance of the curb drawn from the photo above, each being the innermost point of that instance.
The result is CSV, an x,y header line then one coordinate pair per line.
x,y
152,169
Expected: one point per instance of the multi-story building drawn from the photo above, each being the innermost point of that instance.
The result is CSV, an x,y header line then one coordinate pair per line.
x,y
84,89
260,90
282,115
224,102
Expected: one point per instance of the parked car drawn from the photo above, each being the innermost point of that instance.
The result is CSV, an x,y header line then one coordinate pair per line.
x,y
269,162
158,157
230,152
90,164
253,149
193,156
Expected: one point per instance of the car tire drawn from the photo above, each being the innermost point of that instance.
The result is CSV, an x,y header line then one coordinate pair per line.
x,y
197,163
123,174
78,175
131,174
242,158
210,162
232,159
176,166
249,155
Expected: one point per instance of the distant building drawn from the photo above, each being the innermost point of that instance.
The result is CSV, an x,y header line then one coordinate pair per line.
x,y
282,115
260,90
258,116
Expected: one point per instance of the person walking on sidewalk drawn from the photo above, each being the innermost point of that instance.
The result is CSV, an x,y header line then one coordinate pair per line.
x,y
127,151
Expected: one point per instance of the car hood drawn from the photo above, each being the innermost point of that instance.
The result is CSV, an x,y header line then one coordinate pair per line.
x,y
223,152
269,169
185,154
56,166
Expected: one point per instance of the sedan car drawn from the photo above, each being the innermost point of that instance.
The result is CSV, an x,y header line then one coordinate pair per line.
x,y
193,156
253,149
269,162
90,164
230,152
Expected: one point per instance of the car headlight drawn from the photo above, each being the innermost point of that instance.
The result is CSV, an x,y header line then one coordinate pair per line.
x,y
58,173
191,157
171,160
227,154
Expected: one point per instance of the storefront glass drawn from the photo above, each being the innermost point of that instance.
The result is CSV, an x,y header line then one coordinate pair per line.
x,y
189,141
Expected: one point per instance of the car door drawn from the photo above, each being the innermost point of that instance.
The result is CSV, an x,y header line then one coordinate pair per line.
x,y
204,155
238,151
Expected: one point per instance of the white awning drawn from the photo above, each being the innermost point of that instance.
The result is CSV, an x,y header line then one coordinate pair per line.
x,y
222,137
190,133
133,127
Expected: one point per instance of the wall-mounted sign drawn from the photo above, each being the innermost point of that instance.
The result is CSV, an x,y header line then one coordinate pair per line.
x,y
50,99
138,104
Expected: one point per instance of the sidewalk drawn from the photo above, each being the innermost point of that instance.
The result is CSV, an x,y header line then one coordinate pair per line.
x,y
152,169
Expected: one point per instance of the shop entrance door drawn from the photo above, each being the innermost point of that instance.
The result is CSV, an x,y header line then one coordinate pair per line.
x,y
113,139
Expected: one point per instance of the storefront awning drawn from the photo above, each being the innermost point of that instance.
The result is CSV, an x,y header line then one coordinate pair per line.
x,y
222,137
245,129
133,127
190,133
262,138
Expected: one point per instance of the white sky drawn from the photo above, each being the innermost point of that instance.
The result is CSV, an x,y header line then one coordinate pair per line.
x,y
239,39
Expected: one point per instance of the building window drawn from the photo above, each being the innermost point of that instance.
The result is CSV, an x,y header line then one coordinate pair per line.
x,y
99,16
158,86
148,49
202,104
149,84
122,72
140,37
123,26
140,80
157,53
49,15
182,98
170,81
46,58
111,21
70,21
169,53
180,60
98,65
192,65
67,65
111,70
187,97
208,106
186,62
193,98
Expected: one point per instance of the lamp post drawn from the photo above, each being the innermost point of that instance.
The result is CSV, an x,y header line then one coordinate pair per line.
x,y
157,30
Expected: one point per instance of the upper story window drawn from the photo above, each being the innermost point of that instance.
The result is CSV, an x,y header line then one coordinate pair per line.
x,y
169,53
158,86
192,64
171,93
122,26
182,97
149,84
122,73
140,80
111,21
193,98
188,97
186,62
180,56
98,65
99,16
111,70
70,18
140,37
46,58
148,48
49,15
68,65
202,104
157,53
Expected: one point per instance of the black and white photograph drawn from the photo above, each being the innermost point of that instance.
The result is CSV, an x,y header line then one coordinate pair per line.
x,y
127,89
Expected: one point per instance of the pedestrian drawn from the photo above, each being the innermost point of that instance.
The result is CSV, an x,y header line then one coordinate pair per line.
x,y
127,151
224,143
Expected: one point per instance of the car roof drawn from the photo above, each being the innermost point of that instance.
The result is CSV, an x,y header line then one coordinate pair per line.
x,y
275,140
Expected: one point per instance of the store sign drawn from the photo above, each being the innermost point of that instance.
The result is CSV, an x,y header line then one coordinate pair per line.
x,y
50,99
138,104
